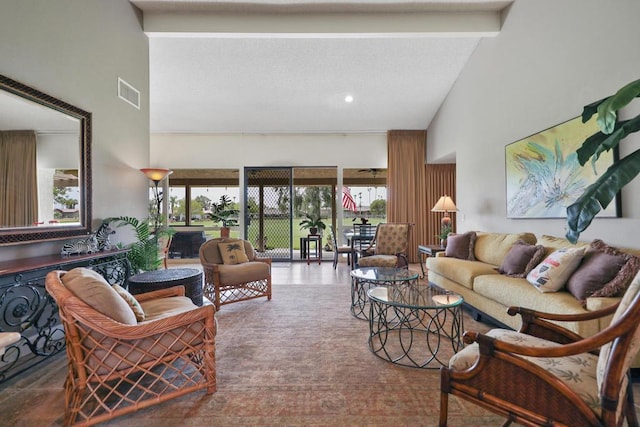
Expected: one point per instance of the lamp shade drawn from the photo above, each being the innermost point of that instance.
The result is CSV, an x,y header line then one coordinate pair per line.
x,y
444,204
156,174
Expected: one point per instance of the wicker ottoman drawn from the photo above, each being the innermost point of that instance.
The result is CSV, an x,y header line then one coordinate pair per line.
x,y
190,278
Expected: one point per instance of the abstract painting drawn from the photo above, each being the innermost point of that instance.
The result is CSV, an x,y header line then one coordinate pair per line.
x,y
543,174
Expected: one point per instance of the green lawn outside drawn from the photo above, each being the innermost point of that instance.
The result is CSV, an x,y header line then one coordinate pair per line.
x,y
275,239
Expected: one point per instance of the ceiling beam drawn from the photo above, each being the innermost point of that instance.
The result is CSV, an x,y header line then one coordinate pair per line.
x,y
387,24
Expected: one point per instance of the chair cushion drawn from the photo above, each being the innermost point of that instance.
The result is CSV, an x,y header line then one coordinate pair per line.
x,y
164,307
130,299
243,273
578,372
94,290
392,238
378,261
233,253
605,351
552,273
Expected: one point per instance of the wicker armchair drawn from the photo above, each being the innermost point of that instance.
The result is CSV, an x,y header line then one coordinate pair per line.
x,y
546,375
388,248
115,368
227,283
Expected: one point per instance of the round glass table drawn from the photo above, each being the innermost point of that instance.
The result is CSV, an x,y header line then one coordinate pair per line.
x,y
409,325
363,279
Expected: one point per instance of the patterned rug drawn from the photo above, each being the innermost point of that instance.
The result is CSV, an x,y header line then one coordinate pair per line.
x,y
301,359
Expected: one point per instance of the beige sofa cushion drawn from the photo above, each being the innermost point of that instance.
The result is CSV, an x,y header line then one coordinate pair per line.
x,y
514,291
552,243
460,271
94,290
493,247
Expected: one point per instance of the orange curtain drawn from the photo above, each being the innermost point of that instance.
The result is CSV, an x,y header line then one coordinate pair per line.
x,y
18,179
414,187
406,183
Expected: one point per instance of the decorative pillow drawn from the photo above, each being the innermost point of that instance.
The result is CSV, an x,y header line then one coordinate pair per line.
x,y
552,273
461,245
233,252
130,299
94,290
605,272
521,259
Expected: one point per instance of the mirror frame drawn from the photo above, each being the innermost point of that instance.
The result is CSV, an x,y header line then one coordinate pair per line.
x,y
10,236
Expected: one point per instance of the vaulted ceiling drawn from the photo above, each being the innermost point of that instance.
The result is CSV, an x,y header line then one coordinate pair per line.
x,y
271,66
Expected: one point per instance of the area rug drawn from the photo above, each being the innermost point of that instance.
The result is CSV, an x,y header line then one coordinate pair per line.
x,y
300,359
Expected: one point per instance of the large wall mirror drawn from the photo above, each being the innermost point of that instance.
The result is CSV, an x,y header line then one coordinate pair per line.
x,y
45,166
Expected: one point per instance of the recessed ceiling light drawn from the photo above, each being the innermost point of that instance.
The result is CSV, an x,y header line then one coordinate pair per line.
x,y
348,98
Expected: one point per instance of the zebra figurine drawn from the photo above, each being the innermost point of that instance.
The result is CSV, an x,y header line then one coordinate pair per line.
x,y
102,235
82,246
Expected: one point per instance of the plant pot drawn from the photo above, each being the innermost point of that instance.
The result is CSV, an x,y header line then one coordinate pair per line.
x,y
443,243
224,232
313,230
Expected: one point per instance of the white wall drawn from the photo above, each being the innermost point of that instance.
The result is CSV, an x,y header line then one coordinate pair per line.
x,y
75,50
192,151
551,58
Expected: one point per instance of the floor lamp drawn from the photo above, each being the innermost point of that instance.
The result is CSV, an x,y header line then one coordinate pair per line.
x,y
156,175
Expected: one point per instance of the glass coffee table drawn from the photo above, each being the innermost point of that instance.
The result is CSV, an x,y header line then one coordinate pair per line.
x,y
409,325
363,279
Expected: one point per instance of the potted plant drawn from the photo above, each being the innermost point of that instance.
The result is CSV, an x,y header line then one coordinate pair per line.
x,y
444,233
599,194
224,213
144,254
313,223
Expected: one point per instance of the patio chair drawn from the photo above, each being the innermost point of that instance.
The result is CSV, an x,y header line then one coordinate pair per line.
x,y
126,353
547,375
388,248
233,272
337,250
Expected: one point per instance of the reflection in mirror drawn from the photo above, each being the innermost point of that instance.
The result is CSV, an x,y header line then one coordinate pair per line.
x,y
44,166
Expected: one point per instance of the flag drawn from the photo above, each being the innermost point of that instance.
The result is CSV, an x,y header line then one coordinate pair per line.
x,y
347,200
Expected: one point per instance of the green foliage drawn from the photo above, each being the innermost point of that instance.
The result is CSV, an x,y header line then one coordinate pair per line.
x,y
444,232
598,195
144,253
224,212
312,221
378,207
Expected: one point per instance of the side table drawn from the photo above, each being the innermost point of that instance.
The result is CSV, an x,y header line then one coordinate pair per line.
x,y
190,278
428,250
317,239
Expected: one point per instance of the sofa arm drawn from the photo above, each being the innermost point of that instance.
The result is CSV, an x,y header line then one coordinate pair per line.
x,y
440,254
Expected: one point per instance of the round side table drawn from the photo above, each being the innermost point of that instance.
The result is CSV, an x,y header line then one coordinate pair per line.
x,y
190,278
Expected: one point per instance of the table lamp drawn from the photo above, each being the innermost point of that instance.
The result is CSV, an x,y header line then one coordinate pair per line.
x,y
445,204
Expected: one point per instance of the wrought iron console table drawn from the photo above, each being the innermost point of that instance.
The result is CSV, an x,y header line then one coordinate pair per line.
x,y
27,308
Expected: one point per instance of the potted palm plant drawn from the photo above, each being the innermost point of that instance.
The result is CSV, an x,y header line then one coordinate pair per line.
x,y
313,223
224,213
599,194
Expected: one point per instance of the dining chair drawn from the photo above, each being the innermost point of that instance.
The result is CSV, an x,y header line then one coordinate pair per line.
x,y
338,250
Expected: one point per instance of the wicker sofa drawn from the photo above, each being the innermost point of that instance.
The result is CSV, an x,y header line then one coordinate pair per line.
x,y
489,293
